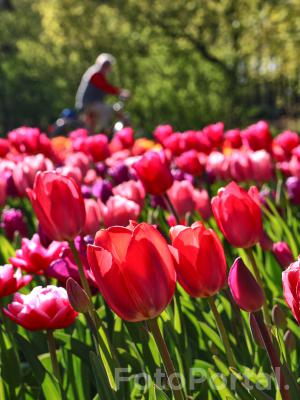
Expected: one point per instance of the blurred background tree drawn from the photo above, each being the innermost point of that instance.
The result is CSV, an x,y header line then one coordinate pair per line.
x,y
187,62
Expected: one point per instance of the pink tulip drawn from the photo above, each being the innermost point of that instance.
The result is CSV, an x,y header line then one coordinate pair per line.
x,y
24,172
119,211
181,195
240,166
202,203
131,190
262,168
93,217
43,308
78,160
11,280
291,285
33,257
217,165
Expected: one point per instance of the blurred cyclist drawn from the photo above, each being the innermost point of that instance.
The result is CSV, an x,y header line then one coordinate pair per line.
x,y
92,91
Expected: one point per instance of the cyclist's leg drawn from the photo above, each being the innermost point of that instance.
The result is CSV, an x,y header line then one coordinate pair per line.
x,y
106,115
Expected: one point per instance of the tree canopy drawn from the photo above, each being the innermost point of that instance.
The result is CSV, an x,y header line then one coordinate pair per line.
x,y
187,62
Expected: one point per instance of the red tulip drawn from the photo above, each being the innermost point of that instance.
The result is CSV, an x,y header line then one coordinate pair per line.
x,y
58,205
214,133
291,288
190,162
244,289
11,280
42,308
154,172
134,270
97,147
3,189
283,145
233,139
175,143
199,259
33,257
123,139
257,136
238,215
4,147
162,132
196,140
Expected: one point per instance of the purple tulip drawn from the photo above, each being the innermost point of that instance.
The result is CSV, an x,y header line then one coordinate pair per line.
x,y
12,221
293,189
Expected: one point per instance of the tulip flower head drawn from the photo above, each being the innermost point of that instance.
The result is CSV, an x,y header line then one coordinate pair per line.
x,y
283,254
58,205
134,270
43,308
11,280
238,215
35,258
154,172
291,285
199,259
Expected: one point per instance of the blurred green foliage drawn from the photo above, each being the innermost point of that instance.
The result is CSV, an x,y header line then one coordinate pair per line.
x,y
187,62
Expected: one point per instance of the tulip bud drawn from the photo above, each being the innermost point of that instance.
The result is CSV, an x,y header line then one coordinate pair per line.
x,y
255,331
278,317
289,340
245,290
78,298
265,242
283,254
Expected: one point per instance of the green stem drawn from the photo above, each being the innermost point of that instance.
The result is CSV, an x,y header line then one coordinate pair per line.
x,y
52,351
92,312
273,356
222,332
259,280
171,207
173,380
82,276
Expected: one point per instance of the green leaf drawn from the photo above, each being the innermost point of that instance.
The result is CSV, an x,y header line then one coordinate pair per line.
x,y
31,356
103,389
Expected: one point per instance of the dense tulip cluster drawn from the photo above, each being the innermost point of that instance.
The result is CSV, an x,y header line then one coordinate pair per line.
x,y
143,230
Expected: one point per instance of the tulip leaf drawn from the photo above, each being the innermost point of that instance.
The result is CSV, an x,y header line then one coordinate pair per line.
x,y
51,388
27,349
212,335
103,389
